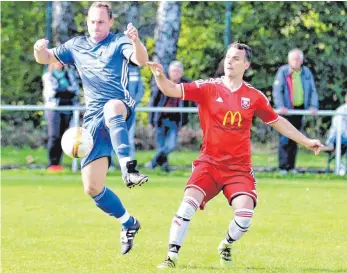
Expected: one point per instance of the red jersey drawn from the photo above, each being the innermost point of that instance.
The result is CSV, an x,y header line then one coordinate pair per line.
x,y
226,119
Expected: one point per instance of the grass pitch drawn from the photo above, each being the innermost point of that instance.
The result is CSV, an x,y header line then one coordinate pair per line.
x,y
50,225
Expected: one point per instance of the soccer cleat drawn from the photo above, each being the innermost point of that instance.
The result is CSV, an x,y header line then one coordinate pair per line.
x,y
127,236
133,177
168,263
225,254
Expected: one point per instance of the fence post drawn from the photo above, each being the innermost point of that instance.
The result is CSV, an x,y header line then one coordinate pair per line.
x,y
338,145
76,122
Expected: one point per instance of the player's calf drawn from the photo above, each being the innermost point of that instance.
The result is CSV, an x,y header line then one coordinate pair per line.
x,y
237,228
178,230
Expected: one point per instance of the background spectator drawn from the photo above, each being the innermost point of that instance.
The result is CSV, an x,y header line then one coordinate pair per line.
x,y
331,139
167,125
60,87
293,88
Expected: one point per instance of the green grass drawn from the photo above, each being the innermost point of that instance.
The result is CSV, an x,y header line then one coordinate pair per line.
x,y
50,225
261,157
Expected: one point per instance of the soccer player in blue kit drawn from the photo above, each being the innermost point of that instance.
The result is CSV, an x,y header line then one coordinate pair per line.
x,y
102,62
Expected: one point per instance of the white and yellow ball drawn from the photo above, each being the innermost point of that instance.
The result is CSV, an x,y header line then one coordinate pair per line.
x,y
77,142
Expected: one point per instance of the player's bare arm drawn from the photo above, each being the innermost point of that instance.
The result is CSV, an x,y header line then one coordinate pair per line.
x,y
140,56
166,86
42,54
286,128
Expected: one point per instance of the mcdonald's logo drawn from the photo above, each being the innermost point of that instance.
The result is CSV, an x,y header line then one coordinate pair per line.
x,y
232,118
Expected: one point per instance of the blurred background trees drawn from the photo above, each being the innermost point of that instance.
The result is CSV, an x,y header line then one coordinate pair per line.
x,y
270,28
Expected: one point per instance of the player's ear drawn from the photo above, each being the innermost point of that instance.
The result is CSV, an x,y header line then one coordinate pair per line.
x,y
247,65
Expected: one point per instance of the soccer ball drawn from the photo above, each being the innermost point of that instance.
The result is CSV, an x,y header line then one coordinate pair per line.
x,y
77,142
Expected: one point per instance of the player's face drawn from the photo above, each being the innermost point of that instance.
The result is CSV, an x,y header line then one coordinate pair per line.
x,y
295,60
99,23
235,63
175,74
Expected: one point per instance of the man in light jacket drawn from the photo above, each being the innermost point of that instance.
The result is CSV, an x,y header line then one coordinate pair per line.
x,y
293,88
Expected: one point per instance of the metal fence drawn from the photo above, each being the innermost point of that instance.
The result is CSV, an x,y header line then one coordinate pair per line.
x,y
78,109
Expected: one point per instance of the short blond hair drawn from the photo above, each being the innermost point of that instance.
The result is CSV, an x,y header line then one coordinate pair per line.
x,y
102,4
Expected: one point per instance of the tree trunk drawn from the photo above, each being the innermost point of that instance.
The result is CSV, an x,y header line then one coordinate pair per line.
x,y
166,34
63,22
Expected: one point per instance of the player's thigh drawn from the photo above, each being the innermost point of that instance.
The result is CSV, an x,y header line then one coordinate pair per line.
x,y
202,180
94,175
240,190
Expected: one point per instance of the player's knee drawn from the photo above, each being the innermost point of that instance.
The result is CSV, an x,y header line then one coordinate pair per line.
x,y
114,107
92,189
243,219
188,207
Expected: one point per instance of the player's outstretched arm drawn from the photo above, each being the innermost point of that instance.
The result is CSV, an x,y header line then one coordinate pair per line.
x,y
286,128
140,56
166,86
42,54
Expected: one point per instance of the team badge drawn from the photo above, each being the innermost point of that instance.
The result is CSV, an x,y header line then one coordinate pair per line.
x,y
245,102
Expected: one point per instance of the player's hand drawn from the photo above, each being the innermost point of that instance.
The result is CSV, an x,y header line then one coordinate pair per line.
x,y
41,44
283,111
132,32
156,68
314,145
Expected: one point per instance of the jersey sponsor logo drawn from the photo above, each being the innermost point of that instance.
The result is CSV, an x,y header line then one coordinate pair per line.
x,y
219,99
211,80
245,103
232,118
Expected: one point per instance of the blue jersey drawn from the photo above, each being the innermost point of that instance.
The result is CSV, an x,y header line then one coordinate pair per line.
x,y
103,68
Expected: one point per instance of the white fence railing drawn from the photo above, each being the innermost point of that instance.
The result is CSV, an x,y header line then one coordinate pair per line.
x,y
77,109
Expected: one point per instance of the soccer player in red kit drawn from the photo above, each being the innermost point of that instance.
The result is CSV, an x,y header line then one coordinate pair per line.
x,y
226,108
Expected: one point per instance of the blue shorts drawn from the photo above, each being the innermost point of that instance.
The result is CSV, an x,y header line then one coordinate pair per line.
x,y
101,137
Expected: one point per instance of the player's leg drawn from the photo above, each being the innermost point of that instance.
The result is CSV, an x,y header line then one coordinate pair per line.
x,y
180,223
93,177
116,113
241,194
200,188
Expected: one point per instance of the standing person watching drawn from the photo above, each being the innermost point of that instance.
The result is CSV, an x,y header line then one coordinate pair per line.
x,y
60,88
293,88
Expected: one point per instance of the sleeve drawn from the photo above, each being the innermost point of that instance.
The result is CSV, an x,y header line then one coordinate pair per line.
x,y
126,48
264,111
277,89
64,52
195,91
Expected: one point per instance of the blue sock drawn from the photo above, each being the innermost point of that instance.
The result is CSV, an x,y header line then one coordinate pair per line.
x,y
119,136
110,203
120,139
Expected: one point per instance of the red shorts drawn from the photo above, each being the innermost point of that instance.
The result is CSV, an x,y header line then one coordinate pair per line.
x,y
211,180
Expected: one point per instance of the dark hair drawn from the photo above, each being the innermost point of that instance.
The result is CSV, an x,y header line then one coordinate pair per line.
x,y
106,5
246,48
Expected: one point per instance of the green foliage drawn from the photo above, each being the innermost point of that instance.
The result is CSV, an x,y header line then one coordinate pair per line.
x,y
270,28
22,25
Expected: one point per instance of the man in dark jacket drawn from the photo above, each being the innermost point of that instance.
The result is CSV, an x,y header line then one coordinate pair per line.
x,y
167,125
293,88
